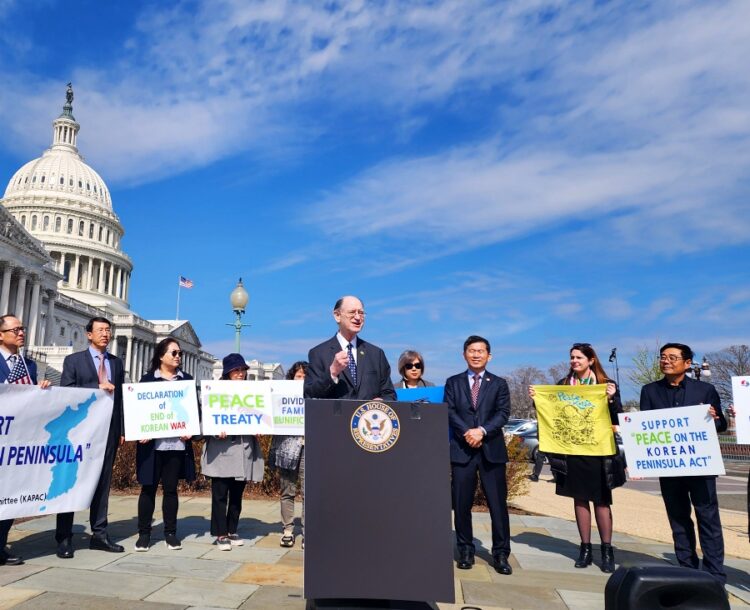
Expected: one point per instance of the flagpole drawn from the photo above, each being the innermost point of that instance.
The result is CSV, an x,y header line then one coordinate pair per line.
x,y
177,315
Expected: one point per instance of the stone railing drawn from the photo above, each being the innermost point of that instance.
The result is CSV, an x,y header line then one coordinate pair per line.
x,y
79,306
132,320
52,350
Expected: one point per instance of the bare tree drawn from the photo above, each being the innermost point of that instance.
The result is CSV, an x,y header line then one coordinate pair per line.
x,y
645,366
519,381
558,371
732,361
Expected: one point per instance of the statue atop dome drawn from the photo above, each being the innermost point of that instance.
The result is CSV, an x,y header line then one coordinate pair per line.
x,y
68,108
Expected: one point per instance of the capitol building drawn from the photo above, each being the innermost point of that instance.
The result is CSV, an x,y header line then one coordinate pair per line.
x,y
61,263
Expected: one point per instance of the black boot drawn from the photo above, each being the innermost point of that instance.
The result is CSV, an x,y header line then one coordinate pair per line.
x,y
585,558
608,558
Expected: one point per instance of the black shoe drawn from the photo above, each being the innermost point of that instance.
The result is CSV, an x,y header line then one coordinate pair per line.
x,y
585,557
465,561
6,559
534,477
172,542
65,549
143,542
608,558
103,543
501,565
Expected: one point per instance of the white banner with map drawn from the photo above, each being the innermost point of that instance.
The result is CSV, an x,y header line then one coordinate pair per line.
x,y
52,445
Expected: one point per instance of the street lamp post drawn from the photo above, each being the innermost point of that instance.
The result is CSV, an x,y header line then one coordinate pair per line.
x,y
701,370
238,299
613,358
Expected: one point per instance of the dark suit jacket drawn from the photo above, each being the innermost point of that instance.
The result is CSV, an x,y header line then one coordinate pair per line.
x,y
79,372
492,413
5,371
373,373
655,396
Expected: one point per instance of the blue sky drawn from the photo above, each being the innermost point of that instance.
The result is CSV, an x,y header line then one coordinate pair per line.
x,y
539,172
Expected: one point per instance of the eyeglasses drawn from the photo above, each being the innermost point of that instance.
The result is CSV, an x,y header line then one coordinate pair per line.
x,y
175,353
353,313
102,331
16,331
670,358
409,366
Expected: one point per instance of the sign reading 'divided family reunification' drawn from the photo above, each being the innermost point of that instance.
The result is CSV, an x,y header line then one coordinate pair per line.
x,y
741,397
160,410
253,407
671,442
52,445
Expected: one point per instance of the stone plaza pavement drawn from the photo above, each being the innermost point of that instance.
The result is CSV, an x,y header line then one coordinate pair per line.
x,y
261,574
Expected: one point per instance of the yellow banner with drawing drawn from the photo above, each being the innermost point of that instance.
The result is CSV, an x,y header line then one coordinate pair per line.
x,y
574,420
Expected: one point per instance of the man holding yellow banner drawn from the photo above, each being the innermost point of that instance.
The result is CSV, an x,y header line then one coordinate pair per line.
x,y
576,420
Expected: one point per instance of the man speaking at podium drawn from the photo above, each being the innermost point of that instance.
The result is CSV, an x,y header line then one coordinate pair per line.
x,y
345,366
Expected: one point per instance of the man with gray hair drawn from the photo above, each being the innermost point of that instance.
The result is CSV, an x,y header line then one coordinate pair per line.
x,y
345,366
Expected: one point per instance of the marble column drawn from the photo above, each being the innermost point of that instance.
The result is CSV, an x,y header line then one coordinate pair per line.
x,y
20,297
5,290
61,268
90,279
141,348
100,285
33,323
128,354
111,286
50,329
118,290
76,271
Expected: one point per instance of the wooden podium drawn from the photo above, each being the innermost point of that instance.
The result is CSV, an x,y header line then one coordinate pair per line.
x,y
377,510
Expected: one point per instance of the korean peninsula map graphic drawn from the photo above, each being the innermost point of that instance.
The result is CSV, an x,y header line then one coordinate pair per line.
x,y
65,474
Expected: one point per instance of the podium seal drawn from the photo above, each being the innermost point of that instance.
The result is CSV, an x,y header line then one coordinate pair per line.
x,y
375,427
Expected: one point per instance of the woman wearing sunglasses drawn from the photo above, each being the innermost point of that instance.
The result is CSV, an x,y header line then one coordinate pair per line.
x,y
411,368
164,459
589,479
230,461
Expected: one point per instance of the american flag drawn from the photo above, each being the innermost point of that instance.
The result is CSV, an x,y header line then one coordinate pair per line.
x,y
19,373
185,283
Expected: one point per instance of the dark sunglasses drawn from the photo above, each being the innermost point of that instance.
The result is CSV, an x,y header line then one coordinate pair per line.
x,y
580,345
409,366
175,353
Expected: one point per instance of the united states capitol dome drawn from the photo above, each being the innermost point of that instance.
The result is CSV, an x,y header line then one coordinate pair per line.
x,y
65,204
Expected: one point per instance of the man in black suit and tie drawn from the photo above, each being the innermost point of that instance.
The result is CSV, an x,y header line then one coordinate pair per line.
x,y
14,368
95,367
478,408
676,389
345,366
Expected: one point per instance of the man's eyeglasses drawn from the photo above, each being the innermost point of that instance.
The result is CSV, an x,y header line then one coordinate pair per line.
x,y
16,331
354,313
175,353
409,366
670,358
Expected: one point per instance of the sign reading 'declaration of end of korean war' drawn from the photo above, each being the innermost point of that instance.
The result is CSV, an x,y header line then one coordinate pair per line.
x,y
236,407
741,399
160,410
52,445
671,442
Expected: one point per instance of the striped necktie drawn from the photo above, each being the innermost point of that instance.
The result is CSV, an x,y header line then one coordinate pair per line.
x,y
352,364
475,391
102,369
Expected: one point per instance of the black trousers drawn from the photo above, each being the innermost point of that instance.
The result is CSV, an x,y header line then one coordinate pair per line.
x,y
99,502
167,470
494,484
5,526
226,505
538,464
679,493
